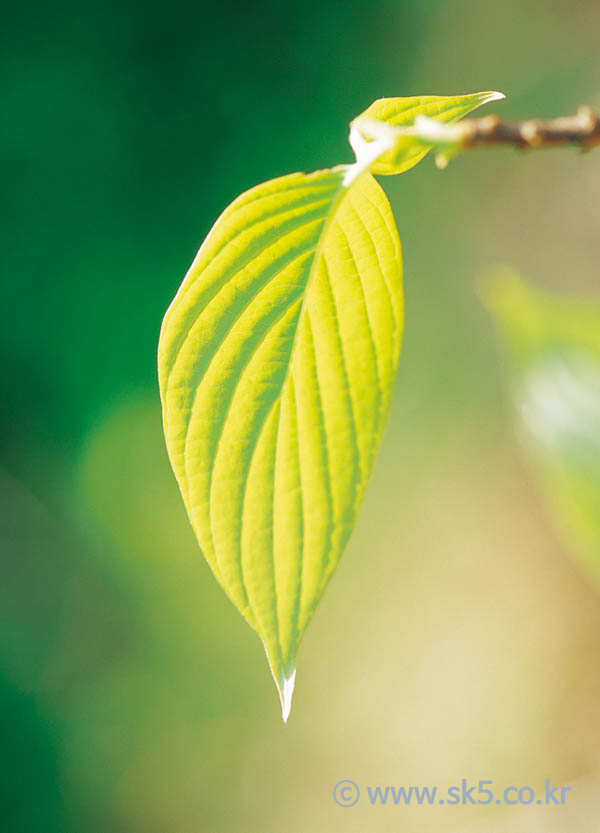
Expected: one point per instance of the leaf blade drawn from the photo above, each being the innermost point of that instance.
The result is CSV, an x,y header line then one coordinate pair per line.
x,y
276,365
402,112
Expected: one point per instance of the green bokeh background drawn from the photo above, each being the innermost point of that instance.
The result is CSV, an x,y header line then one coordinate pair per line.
x,y
458,639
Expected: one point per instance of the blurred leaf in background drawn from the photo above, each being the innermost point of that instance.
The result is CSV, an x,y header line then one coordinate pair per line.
x,y
552,342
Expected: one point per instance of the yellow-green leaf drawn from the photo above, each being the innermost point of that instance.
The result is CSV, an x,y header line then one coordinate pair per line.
x,y
402,112
553,347
276,364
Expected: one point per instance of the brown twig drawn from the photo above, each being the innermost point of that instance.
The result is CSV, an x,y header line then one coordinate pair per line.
x,y
581,130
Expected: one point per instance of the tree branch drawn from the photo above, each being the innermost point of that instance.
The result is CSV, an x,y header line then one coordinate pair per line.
x,y
581,130
448,140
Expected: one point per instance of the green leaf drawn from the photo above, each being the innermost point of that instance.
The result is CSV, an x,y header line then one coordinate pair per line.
x,y
553,347
402,113
277,360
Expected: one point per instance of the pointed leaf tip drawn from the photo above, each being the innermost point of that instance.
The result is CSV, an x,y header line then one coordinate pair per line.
x,y
493,95
286,692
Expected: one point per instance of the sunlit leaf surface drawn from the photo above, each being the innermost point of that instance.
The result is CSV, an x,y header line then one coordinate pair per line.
x,y
402,112
276,363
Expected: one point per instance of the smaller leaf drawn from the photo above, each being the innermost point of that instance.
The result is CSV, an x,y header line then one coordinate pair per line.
x,y
402,113
553,347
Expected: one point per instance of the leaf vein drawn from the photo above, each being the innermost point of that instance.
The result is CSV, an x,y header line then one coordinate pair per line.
x,y
369,327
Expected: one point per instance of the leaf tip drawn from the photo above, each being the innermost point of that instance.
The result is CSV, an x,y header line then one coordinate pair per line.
x,y
286,692
493,95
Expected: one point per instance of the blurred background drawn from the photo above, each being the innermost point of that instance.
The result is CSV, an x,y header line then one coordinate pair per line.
x,y
459,637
